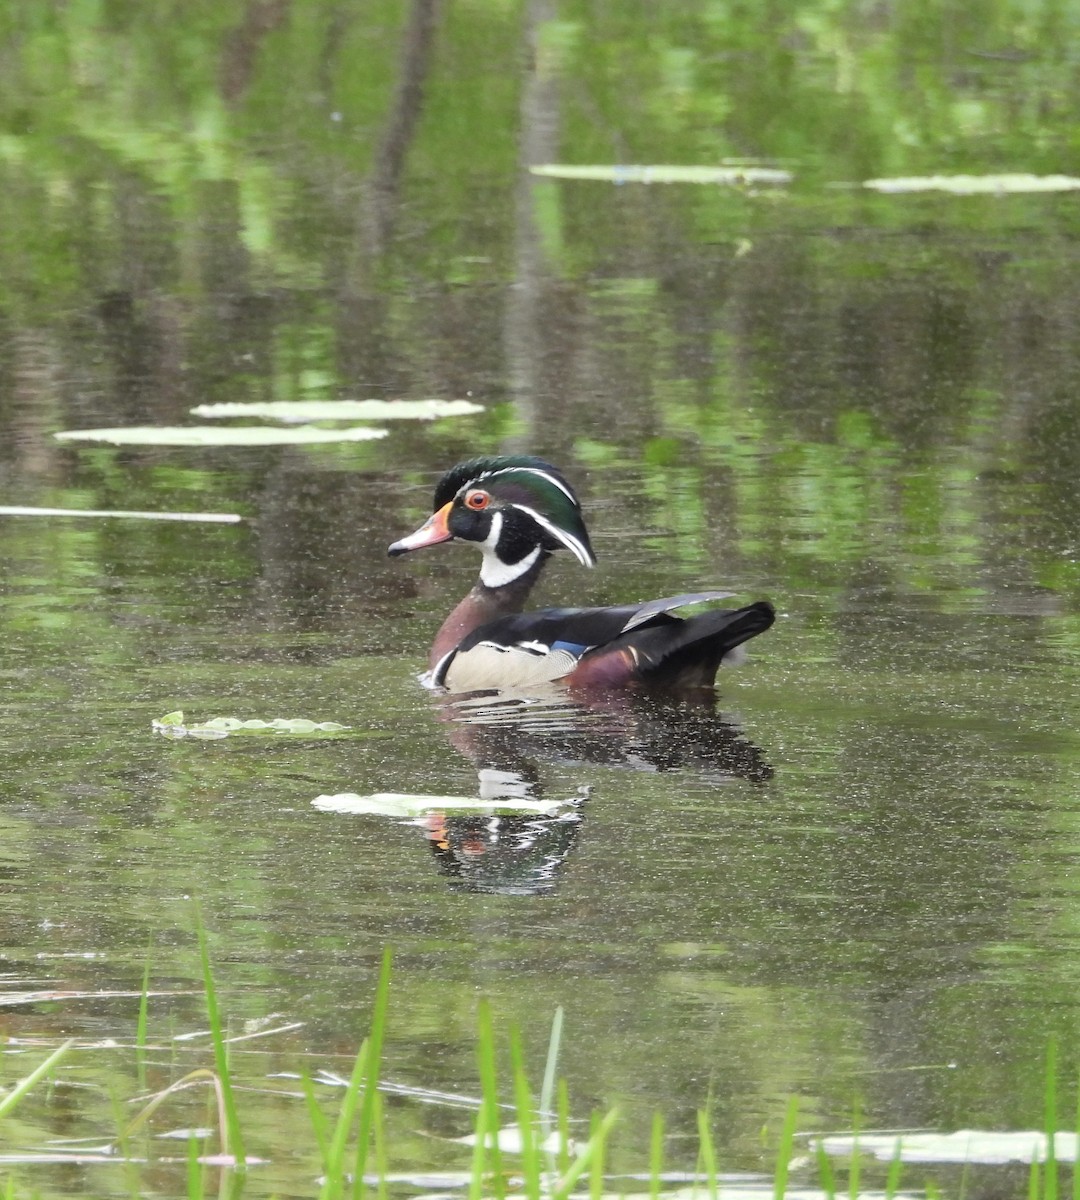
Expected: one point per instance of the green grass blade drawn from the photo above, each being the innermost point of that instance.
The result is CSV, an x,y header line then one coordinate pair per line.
x,y
231,1133
563,1162
1034,1180
334,1178
585,1155
531,1166
855,1170
1050,1121
826,1175
556,1160
381,1168
656,1155
196,1187
320,1126
1076,1128
11,1100
142,1024
599,1160
707,1151
896,1169
489,1091
479,1156
551,1066
375,1039
784,1150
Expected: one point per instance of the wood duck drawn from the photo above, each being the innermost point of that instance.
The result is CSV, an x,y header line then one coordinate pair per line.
x,y
518,510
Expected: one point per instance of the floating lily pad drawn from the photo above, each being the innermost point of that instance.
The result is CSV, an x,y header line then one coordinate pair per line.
x,y
976,185
219,435
16,510
992,1147
397,804
731,176
342,410
172,725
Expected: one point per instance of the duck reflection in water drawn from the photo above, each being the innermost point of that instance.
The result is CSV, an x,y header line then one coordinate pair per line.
x,y
507,738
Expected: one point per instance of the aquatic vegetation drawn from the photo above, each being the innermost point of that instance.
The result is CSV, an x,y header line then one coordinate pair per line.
x,y
734,176
173,725
23,510
397,804
342,410
528,1146
976,185
219,435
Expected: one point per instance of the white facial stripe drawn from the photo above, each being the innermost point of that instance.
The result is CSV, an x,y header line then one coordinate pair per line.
x,y
492,539
533,471
494,573
568,540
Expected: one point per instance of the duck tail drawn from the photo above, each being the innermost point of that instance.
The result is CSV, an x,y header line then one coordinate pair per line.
x,y
689,656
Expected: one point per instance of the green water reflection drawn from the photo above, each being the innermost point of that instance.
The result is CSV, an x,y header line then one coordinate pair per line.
x,y
856,880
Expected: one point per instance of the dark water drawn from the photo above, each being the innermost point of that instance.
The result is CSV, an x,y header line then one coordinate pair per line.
x,y
854,881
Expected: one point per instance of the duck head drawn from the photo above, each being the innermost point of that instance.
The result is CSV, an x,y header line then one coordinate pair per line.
x,y
517,509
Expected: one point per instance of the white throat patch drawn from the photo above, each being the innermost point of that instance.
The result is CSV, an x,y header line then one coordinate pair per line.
x,y
494,573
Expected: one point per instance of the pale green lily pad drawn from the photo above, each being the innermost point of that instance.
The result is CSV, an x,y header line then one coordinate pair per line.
x,y
976,185
16,510
661,173
403,805
172,725
991,1147
342,410
219,435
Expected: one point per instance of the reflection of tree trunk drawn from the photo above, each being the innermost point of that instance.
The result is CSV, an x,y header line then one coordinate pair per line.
x,y
385,182
539,133
33,404
242,48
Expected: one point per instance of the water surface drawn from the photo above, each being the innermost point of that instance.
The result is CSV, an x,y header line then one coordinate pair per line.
x,y
852,881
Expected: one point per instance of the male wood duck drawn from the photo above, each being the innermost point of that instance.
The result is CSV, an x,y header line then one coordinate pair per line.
x,y
518,510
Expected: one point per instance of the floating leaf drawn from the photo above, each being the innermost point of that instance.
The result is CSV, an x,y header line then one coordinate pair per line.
x,y
172,725
219,435
342,410
397,804
15,510
731,176
992,1147
976,185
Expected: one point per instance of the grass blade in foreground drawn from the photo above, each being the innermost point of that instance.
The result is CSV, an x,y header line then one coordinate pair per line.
x,y
231,1138
783,1151
489,1091
334,1177
531,1165
369,1107
1050,1186
593,1147
9,1102
707,1151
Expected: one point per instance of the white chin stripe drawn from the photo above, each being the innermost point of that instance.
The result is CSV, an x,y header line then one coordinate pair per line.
x,y
494,573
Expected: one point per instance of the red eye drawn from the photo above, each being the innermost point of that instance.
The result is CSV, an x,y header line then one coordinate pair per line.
x,y
477,500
